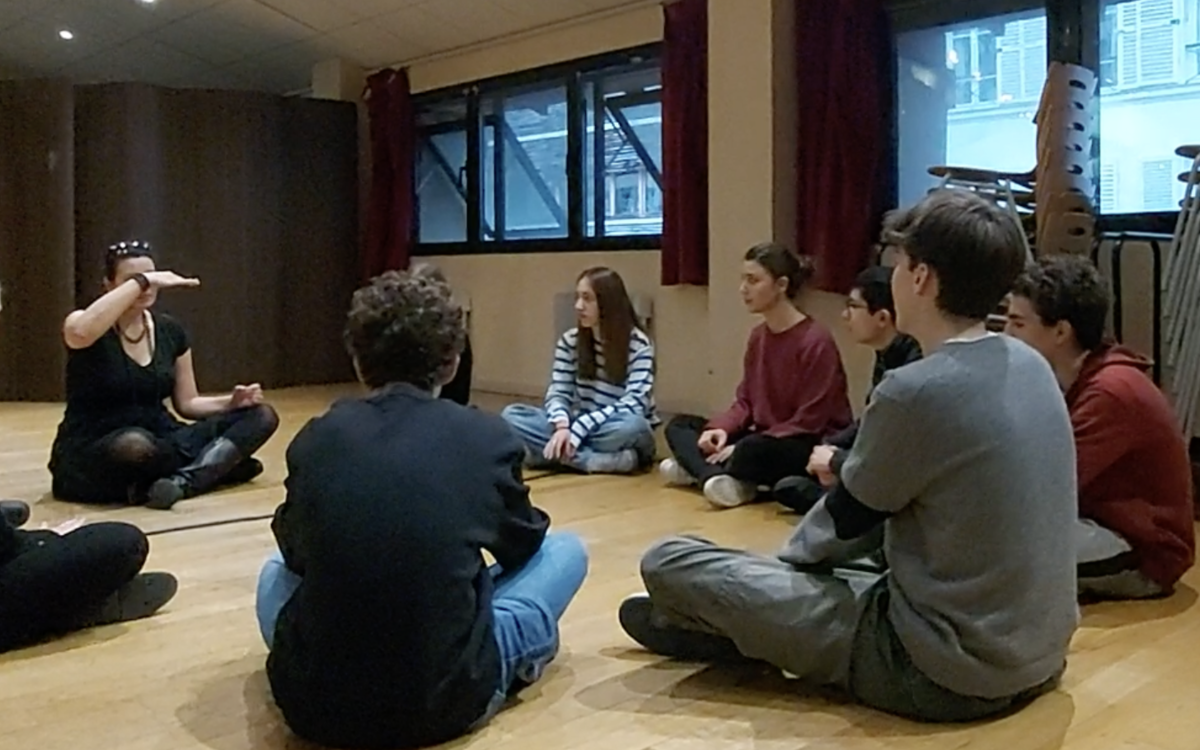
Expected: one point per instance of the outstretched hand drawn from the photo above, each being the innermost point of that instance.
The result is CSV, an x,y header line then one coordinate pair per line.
x,y
169,280
246,395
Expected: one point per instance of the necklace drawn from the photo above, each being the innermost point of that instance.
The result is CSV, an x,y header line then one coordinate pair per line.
x,y
141,336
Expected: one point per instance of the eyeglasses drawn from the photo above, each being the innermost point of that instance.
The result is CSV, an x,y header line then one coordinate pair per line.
x,y
122,249
853,304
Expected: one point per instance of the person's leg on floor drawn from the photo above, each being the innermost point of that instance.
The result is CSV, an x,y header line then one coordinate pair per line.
x,y
532,426
688,464
758,461
83,578
276,585
763,461
800,622
529,602
117,469
221,447
1107,567
883,676
623,444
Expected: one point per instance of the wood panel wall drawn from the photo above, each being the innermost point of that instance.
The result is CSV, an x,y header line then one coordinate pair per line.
x,y
37,260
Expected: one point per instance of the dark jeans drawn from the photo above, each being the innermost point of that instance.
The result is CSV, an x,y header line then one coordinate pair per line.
x,y
54,581
112,469
759,460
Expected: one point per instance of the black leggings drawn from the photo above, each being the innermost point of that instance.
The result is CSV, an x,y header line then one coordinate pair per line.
x,y
759,460
49,587
126,461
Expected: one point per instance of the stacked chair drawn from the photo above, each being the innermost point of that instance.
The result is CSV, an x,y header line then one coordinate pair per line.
x,y
1054,201
1180,285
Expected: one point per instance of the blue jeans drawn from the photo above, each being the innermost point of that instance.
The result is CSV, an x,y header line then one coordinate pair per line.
x,y
621,431
526,606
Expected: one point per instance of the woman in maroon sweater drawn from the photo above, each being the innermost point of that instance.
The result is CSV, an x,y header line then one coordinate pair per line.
x,y
792,394
1135,536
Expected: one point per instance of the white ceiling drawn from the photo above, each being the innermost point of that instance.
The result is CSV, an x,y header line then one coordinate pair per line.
x,y
266,45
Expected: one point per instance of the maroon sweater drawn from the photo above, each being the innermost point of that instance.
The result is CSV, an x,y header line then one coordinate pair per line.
x,y
1134,473
793,383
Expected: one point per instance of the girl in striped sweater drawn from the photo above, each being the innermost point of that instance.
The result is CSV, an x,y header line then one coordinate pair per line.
x,y
599,411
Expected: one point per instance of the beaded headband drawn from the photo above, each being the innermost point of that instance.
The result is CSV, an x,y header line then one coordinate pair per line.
x,y
131,248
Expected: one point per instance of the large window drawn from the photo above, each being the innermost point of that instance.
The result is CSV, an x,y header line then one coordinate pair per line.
x,y
568,158
1149,101
967,94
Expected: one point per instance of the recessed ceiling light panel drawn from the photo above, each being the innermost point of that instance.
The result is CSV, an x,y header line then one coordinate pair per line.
x,y
66,35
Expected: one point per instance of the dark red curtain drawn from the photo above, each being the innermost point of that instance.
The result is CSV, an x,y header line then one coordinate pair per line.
x,y
685,143
845,163
391,204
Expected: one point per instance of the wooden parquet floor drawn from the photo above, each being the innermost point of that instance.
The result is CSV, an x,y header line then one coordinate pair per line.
x,y
192,677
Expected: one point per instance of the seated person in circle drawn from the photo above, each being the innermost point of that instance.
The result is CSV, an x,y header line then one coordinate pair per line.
x,y
1135,534
965,459
870,317
792,396
55,581
599,413
386,628
459,389
117,442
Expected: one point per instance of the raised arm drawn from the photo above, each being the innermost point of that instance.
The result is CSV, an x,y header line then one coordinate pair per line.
x,y
82,328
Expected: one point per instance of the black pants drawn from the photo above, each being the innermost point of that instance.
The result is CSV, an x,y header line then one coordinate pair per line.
x,y
54,581
116,467
758,459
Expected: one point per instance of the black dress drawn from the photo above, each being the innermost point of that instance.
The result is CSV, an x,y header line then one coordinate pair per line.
x,y
110,395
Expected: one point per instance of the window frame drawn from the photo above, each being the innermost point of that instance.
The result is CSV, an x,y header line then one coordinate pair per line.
x,y
571,75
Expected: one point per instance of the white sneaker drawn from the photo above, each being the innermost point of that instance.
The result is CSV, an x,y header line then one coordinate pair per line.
x,y
726,492
674,474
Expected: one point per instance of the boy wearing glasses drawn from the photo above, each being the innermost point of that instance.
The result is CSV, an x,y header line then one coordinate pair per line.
x,y
870,316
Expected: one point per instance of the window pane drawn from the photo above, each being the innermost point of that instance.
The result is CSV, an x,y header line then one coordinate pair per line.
x,y
1149,101
968,94
525,134
630,155
441,173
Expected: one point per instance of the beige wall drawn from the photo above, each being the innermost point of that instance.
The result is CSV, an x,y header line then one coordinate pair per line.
x,y
700,333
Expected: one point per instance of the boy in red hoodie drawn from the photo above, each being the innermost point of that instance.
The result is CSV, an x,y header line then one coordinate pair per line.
x,y
1136,534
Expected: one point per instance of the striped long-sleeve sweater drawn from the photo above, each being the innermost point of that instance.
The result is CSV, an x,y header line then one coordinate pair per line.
x,y
582,404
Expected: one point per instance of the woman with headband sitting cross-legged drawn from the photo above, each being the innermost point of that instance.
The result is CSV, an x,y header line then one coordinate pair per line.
x,y
117,442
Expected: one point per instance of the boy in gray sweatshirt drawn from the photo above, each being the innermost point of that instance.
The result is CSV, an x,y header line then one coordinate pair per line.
x,y
966,460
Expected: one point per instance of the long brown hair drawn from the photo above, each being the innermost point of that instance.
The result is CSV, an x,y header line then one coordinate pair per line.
x,y
617,321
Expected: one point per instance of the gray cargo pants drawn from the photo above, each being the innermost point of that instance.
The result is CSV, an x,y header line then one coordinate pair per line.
x,y
827,627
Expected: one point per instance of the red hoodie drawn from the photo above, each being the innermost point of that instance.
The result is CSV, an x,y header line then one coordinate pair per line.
x,y
1135,476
